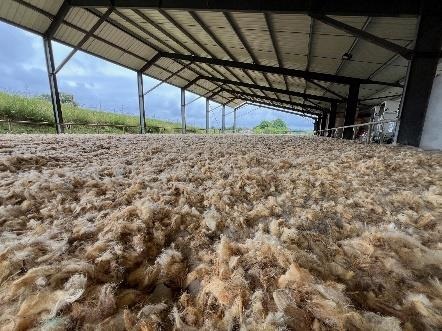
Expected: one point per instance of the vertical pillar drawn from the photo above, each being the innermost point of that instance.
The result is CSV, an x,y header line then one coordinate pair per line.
x,y
316,125
324,123
419,82
183,110
332,118
141,102
350,113
234,120
53,85
319,124
207,114
223,120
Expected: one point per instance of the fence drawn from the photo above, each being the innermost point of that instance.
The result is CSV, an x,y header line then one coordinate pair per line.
x,y
69,126
339,131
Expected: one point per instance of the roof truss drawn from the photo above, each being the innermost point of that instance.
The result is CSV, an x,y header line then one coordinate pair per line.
x,y
325,7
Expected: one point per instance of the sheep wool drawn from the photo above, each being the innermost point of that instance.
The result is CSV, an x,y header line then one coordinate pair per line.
x,y
218,232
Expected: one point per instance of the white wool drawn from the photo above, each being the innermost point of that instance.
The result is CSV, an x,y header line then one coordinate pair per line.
x,y
169,256
212,218
149,310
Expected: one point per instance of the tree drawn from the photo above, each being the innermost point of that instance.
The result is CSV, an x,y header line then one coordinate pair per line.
x,y
276,126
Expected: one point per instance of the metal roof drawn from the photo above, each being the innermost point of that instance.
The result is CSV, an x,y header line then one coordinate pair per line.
x,y
130,35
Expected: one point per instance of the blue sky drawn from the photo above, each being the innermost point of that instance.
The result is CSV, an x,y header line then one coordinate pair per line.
x,y
102,85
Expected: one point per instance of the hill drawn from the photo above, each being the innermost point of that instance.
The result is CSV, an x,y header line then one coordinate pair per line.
x,y
37,109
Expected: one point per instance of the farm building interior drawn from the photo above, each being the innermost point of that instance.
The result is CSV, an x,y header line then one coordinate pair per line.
x,y
234,232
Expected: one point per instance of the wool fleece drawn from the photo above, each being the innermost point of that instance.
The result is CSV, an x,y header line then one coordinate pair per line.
x,y
218,232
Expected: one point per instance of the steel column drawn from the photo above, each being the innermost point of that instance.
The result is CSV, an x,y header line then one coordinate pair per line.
x,y
141,102
234,120
324,124
53,85
419,82
223,119
332,117
350,112
183,111
207,114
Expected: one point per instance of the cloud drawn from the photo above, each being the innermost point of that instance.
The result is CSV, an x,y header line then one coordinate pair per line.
x,y
102,85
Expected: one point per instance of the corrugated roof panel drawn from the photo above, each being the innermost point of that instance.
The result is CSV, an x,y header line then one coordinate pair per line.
x,y
254,29
98,47
161,20
294,61
325,65
50,6
221,28
332,47
81,18
159,38
393,28
354,21
68,35
358,70
192,27
132,27
291,23
23,16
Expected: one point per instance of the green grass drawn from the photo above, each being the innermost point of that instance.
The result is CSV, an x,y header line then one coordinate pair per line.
x,y
17,107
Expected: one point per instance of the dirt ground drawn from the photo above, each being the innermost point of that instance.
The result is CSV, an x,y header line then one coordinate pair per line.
x,y
218,233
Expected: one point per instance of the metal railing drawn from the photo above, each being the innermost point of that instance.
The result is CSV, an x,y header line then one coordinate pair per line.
x,y
338,132
97,126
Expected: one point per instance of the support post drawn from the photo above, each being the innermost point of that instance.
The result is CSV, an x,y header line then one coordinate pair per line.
x,y
419,82
223,120
141,102
53,85
323,124
332,118
316,125
350,113
183,111
207,114
319,124
234,120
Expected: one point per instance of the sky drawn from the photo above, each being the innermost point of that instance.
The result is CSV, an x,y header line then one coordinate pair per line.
x,y
101,85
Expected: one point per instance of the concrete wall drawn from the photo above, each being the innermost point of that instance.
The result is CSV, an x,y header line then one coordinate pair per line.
x,y
432,133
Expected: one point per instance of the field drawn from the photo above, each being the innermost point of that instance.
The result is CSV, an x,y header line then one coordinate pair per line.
x,y
232,232
16,107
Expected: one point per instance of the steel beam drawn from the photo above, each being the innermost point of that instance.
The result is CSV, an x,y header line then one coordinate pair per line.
x,y
332,117
295,104
183,111
277,108
58,19
53,85
84,39
419,81
141,102
276,70
375,8
271,105
350,112
207,114
381,42
260,87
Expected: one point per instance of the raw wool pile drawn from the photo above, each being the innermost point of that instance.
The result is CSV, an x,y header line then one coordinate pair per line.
x,y
218,233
